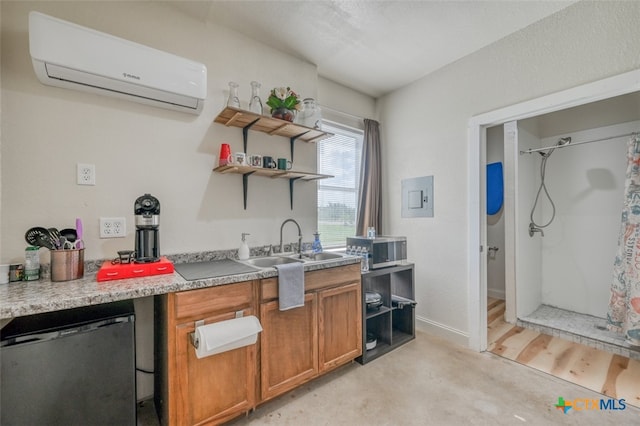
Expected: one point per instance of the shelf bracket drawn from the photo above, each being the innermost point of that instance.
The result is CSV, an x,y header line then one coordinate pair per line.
x,y
245,133
293,141
245,186
291,182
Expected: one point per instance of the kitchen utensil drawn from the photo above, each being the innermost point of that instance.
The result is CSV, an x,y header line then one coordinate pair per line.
x,y
79,233
40,237
68,245
372,341
373,300
69,234
55,236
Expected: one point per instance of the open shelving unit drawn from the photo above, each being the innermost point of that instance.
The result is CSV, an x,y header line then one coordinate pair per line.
x,y
392,325
246,120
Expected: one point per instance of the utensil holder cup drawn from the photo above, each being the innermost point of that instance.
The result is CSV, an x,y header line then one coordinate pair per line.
x,y
67,265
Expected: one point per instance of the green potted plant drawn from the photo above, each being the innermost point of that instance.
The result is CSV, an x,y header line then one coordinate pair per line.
x,y
284,103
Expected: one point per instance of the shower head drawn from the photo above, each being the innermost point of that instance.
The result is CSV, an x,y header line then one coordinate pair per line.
x,y
564,141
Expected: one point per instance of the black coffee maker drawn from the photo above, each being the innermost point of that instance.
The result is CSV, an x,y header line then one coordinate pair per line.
x,y
147,212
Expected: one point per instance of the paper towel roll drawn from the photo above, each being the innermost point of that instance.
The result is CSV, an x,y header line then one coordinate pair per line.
x,y
226,335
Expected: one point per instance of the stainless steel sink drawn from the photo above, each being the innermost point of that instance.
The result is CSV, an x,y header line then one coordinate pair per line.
x,y
325,256
270,261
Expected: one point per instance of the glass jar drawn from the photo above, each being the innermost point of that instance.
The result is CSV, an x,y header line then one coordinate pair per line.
x,y
234,100
311,114
31,263
255,104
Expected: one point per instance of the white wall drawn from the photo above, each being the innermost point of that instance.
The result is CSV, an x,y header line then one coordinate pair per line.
x,y
586,183
424,132
495,222
138,148
528,254
344,105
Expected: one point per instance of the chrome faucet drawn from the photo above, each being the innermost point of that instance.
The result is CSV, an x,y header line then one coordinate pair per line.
x,y
533,229
299,236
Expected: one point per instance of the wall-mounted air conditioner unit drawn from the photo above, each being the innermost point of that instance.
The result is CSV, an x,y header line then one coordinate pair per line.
x,y
71,56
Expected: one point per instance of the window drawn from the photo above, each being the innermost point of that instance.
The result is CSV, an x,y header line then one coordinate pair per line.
x,y
339,156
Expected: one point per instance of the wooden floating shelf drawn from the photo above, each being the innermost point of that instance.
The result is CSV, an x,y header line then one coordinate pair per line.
x,y
272,173
247,120
234,117
247,171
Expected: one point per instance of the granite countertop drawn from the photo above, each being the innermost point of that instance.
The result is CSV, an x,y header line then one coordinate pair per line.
x,y
32,297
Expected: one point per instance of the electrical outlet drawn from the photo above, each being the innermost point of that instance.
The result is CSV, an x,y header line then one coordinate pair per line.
x,y
113,227
86,174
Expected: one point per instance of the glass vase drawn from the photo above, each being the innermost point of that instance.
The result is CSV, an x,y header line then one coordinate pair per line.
x,y
255,104
234,100
311,114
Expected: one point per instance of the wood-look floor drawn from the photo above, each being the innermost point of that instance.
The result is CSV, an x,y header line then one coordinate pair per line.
x,y
612,375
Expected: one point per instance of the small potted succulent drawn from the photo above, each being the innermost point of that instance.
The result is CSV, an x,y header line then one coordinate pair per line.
x,y
284,103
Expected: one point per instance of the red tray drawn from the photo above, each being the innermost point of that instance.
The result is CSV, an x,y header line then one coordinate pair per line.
x,y
109,271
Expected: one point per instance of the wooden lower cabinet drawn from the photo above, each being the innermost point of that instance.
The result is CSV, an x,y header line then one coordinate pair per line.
x,y
300,344
294,347
339,310
288,346
210,390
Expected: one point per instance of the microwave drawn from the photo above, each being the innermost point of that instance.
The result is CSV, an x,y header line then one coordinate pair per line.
x,y
383,250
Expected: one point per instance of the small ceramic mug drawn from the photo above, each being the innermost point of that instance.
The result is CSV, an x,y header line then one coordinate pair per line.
x,y
240,159
284,164
268,163
255,160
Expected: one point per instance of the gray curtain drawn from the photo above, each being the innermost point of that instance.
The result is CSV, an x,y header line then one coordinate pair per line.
x,y
370,199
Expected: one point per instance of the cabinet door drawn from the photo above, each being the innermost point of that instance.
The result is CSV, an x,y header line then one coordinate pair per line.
x,y
213,389
340,325
288,346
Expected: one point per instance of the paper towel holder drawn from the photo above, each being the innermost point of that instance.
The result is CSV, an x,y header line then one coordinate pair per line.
x,y
192,336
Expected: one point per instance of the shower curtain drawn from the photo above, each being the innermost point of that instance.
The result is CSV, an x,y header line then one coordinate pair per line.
x,y
624,305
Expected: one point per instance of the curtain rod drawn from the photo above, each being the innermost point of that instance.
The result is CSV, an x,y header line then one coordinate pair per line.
x,y
530,151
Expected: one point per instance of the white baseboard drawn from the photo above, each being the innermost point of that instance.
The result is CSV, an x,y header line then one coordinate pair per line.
x,y
451,334
496,293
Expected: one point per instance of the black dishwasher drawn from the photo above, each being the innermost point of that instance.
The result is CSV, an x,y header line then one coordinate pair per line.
x,y
70,367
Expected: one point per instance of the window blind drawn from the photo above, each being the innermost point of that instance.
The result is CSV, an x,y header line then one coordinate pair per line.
x,y
339,156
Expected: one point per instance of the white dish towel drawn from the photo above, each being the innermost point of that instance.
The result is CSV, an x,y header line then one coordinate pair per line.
x,y
290,285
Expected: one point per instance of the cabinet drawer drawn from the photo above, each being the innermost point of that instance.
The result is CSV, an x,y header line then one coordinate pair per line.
x,y
230,297
314,280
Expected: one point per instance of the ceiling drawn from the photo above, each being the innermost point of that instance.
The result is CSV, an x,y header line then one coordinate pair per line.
x,y
374,47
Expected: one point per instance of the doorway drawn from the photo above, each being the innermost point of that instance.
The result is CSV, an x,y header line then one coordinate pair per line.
x,y
478,130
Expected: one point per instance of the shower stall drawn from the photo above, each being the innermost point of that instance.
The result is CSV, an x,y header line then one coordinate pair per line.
x,y
562,219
